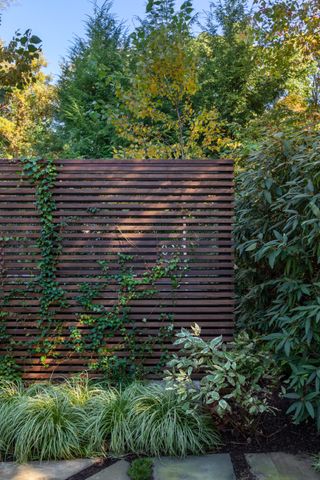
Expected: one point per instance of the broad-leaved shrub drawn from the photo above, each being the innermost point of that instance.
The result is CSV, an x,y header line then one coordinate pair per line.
x,y
234,380
278,266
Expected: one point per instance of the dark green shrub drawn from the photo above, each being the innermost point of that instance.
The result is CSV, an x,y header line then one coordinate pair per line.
x,y
278,246
141,469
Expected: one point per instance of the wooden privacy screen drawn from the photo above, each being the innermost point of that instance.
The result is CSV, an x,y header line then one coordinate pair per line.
x,y
144,208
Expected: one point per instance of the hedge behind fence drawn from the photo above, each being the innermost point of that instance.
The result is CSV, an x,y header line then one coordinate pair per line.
x,y
102,259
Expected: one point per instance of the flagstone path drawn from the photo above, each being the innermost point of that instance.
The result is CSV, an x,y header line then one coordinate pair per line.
x,y
43,470
281,466
264,466
207,467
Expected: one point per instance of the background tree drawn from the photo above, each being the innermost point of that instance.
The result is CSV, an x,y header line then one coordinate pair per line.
x,y
241,77
87,87
18,61
157,104
26,119
292,28
166,91
159,117
25,95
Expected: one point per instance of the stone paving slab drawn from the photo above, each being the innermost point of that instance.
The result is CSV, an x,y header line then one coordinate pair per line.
x,y
281,466
117,471
43,470
206,467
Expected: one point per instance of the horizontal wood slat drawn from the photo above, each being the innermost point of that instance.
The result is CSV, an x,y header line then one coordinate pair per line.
x,y
144,208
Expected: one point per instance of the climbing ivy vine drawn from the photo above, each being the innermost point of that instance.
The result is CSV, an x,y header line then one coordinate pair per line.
x,y
42,175
8,366
106,322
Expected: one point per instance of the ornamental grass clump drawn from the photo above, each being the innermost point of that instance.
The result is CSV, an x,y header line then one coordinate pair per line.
x,y
147,419
80,390
10,395
163,425
108,425
79,419
41,422
47,426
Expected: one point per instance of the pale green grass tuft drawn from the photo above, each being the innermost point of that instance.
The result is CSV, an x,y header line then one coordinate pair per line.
x,y
80,390
108,419
79,419
163,425
47,426
11,394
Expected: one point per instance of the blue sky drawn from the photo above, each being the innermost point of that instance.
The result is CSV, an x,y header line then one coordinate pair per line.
x,y
57,22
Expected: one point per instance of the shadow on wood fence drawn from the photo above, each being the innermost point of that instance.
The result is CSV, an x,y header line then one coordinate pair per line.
x,y
144,208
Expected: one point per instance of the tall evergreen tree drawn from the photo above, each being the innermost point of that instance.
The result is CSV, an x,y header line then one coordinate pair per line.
x,y
87,87
235,77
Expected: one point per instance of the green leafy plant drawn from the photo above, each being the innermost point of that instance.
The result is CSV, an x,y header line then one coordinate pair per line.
x,y
278,246
233,381
8,366
141,469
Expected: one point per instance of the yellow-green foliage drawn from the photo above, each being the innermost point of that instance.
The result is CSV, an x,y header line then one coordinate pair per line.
x,y
25,120
159,117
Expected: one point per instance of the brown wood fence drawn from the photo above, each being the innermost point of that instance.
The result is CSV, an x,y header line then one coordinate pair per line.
x,y
143,208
